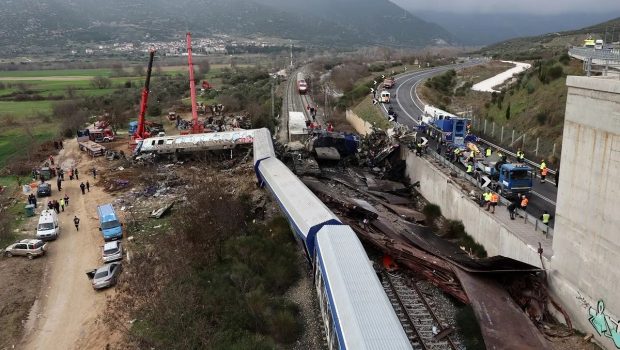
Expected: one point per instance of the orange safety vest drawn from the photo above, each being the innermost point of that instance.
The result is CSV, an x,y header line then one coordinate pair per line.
x,y
544,171
494,198
524,202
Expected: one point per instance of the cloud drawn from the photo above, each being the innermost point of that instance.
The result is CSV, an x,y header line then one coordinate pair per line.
x,y
539,7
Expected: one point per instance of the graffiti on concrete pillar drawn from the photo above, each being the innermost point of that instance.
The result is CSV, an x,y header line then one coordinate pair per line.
x,y
602,323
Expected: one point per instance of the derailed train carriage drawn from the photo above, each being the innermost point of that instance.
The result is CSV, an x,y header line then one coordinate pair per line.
x,y
355,309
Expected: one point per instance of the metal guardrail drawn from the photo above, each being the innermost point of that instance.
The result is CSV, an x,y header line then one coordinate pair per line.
x,y
604,55
527,161
526,217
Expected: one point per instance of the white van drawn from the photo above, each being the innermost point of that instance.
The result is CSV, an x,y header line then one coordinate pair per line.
x,y
385,97
48,227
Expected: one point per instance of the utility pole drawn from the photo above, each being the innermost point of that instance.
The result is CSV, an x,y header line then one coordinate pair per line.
x,y
325,104
291,55
272,99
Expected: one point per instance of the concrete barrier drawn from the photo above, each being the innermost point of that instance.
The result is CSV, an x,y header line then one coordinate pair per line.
x,y
360,125
496,237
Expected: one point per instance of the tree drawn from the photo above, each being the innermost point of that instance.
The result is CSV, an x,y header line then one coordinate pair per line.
x,y
100,82
138,71
204,67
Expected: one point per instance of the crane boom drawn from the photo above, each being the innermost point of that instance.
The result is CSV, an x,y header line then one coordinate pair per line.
x,y
196,128
140,131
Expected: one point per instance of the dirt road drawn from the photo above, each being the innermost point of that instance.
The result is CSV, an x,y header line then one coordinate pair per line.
x,y
66,312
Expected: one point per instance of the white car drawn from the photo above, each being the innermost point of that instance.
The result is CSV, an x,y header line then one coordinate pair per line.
x,y
112,251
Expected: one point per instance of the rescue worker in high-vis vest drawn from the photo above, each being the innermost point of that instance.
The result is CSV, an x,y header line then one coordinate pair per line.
x,y
457,153
493,202
520,155
546,217
487,197
470,168
524,202
543,171
488,152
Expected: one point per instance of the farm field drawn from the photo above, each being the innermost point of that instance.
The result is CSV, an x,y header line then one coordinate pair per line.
x,y
27,100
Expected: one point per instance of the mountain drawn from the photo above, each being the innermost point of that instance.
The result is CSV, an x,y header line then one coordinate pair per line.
x,y
550,44
486,29
44,23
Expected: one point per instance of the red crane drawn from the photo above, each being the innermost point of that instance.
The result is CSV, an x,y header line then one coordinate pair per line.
x,y
197,128
141,132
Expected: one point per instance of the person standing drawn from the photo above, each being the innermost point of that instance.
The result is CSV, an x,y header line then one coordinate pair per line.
x,y
76,173
470,167
56,206
488,152
520,155
94,173
66,200
493,202
59,184
524,202
62,204
546,217
87,186
82,187
543,171
76,222
512,207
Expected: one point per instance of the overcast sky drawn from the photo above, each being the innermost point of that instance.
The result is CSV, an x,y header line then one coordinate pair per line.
x,y
543,7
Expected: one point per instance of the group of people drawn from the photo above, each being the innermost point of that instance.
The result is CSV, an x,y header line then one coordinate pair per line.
x,y
58,205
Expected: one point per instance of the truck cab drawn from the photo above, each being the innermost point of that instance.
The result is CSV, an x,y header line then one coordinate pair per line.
x,y
514,180
109,225
389,83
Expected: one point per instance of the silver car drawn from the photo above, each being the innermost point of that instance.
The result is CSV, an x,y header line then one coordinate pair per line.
x,y
105,276
30,248
112,251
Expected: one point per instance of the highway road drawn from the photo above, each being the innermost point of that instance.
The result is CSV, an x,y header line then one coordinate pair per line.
x,y
409,107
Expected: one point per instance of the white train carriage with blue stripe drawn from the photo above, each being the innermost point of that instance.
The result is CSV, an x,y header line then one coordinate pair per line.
x,y
356,311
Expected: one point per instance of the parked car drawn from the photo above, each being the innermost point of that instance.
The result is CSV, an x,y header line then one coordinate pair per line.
x,y
112,251
44,190
30,248
105,276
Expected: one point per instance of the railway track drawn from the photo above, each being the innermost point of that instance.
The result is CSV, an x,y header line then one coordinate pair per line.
x,y
417,317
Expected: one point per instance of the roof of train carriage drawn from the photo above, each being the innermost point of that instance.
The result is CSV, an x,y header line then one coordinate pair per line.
x,y
364,315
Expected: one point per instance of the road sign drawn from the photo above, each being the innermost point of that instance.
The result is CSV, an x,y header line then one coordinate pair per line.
x,y
372,90
424,141
390,118
374,101
383,76
487,181
374,81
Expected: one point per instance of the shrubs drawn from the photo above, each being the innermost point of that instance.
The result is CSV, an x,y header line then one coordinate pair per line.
x,y
431,212
455,230
443,83
228,290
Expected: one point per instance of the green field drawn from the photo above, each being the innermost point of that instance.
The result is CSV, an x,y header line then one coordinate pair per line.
x,y
20,118
56,73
